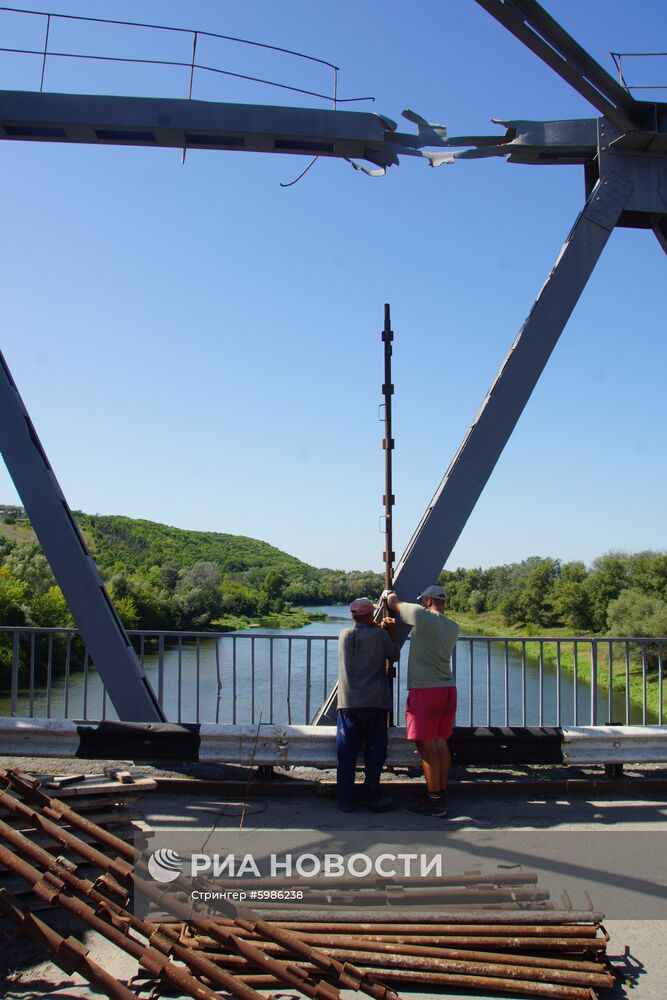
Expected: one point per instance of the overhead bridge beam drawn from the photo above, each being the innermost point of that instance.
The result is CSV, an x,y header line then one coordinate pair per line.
x,y
315,746
188,124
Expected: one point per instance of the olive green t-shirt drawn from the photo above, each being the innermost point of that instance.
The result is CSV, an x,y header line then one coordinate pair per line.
x,y
432,640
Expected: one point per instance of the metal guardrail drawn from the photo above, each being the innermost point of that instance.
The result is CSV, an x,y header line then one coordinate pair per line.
x,y
244,679
315,746
45,50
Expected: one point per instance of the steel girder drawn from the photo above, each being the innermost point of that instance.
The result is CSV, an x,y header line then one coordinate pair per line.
x,y
70,560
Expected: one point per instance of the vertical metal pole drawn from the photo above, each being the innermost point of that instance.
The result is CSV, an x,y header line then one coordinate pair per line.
x,y
488,682
541,719
309,654
252,679
16,639
558,679
576,683
68,657
507,683
32,678
46,45
192,74
388,498
471,689
289,681
218,680
660,684
234,680
523,684
271,680
180,676
594,682
198,668
160,670
85,682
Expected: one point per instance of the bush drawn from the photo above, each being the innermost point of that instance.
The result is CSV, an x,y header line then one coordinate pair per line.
x,y
635,613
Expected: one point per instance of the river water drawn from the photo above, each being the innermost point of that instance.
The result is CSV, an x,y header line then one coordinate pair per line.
x,y
283,677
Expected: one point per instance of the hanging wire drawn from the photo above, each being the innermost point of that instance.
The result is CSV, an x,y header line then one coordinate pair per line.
x,y
302,174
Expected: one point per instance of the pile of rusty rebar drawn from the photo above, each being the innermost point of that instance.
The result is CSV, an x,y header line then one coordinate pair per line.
x,y
544,953
562,958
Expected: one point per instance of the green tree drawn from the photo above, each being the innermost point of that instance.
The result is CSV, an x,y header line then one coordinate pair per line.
x,y
609,576
648,572
12,598
48,610
28,564
273,586
634,613
571,599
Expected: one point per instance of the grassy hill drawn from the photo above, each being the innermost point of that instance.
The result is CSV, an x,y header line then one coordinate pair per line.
x,y
142,544
161,576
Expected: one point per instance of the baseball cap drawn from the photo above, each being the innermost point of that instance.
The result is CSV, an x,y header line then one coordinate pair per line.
x,y
362,606
436,592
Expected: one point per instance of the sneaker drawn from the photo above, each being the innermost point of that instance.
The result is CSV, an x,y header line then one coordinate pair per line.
x,y
429,807
382,804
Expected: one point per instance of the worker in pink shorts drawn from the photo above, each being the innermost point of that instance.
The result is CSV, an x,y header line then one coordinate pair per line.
x,y
431,706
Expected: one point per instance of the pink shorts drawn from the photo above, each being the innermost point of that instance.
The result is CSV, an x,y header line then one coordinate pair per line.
x,y
430,713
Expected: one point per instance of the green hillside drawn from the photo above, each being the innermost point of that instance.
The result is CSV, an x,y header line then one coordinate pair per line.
x,y
139,545
161,577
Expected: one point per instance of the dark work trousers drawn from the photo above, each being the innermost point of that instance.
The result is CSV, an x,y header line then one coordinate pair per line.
x,y
356,727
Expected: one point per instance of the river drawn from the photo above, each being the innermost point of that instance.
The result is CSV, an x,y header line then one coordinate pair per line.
x,y
271,675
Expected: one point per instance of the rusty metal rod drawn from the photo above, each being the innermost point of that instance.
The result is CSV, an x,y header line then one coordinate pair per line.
x,y
285,974
348,976
408,915
324,882
393,897
468,941
68,953
533,942
481,983
50,888
494,968
151,931
339,945
428,930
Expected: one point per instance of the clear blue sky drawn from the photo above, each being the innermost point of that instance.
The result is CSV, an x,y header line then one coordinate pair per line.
x,y
199,346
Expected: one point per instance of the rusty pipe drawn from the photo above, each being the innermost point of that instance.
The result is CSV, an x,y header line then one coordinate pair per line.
x,y
478,983
68,953
495,969
382,929
197,962
348,976
85,850
50,888
340,945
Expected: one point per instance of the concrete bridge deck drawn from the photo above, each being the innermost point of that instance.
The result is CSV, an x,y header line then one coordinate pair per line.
x,y
488,808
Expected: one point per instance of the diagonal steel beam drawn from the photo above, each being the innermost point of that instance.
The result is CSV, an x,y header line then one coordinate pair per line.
x,y
71,561
469,471
564,55
660,230
554,33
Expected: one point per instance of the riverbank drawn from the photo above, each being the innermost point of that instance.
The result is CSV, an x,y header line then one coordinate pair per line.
x,y
627,669
292,618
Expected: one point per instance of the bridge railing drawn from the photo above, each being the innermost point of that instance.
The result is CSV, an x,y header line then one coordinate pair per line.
x,y
283,679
